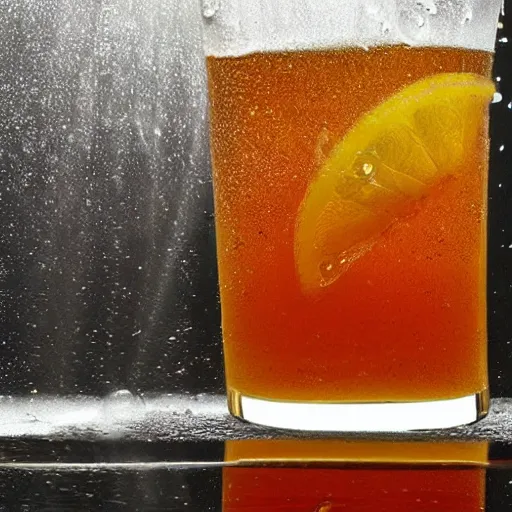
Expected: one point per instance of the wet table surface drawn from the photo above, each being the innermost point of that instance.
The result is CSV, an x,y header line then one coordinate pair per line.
x,y
170,452
182,417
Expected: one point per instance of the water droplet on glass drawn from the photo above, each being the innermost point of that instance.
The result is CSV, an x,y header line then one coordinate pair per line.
x,y
459,10
122,404
210,8
429,6
413,22
385,28
468,15
497,97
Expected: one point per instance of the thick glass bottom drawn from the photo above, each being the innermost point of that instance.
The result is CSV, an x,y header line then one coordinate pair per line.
x,y
360,417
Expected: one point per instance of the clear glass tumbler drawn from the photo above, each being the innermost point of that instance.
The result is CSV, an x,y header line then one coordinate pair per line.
x,y
350,158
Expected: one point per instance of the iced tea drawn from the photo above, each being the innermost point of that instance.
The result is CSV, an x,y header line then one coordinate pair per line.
x,y
374,298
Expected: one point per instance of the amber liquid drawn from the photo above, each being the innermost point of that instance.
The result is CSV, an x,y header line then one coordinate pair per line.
x,y
339,452
331,475
358,490
407,321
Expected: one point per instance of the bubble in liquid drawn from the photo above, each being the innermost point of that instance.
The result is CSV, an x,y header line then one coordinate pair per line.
x,y
325,506
210,8
365,166
331,269
327,271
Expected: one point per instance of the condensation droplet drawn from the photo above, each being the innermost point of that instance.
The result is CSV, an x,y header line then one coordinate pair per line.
x,y
413,22
497,97
429,6
385,28
210,8
462,11
122,404
468,15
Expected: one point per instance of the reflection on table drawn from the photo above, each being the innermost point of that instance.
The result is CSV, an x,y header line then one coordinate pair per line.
x,y
324,476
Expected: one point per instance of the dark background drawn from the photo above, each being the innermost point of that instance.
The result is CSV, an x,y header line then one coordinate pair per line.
x,y
107,252
500,218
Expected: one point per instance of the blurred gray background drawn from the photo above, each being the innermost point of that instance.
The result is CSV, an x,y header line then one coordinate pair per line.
x,y
107,269
107,265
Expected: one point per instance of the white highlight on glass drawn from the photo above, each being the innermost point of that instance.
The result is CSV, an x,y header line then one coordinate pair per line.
x,y
367,417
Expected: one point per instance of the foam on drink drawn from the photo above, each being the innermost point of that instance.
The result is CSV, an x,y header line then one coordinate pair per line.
x,y
240,27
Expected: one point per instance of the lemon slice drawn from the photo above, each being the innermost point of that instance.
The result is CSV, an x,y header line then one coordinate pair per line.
x,y
387,161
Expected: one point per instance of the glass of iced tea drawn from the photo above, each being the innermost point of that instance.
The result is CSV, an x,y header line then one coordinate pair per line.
x,y
350,155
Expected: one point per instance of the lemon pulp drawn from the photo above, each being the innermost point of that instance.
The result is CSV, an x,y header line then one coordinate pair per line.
x,y
390,159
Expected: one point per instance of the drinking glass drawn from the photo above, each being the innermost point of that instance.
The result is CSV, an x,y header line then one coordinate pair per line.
x,y
350,158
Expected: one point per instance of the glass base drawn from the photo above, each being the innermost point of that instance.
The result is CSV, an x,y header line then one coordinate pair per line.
x,y
360,417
